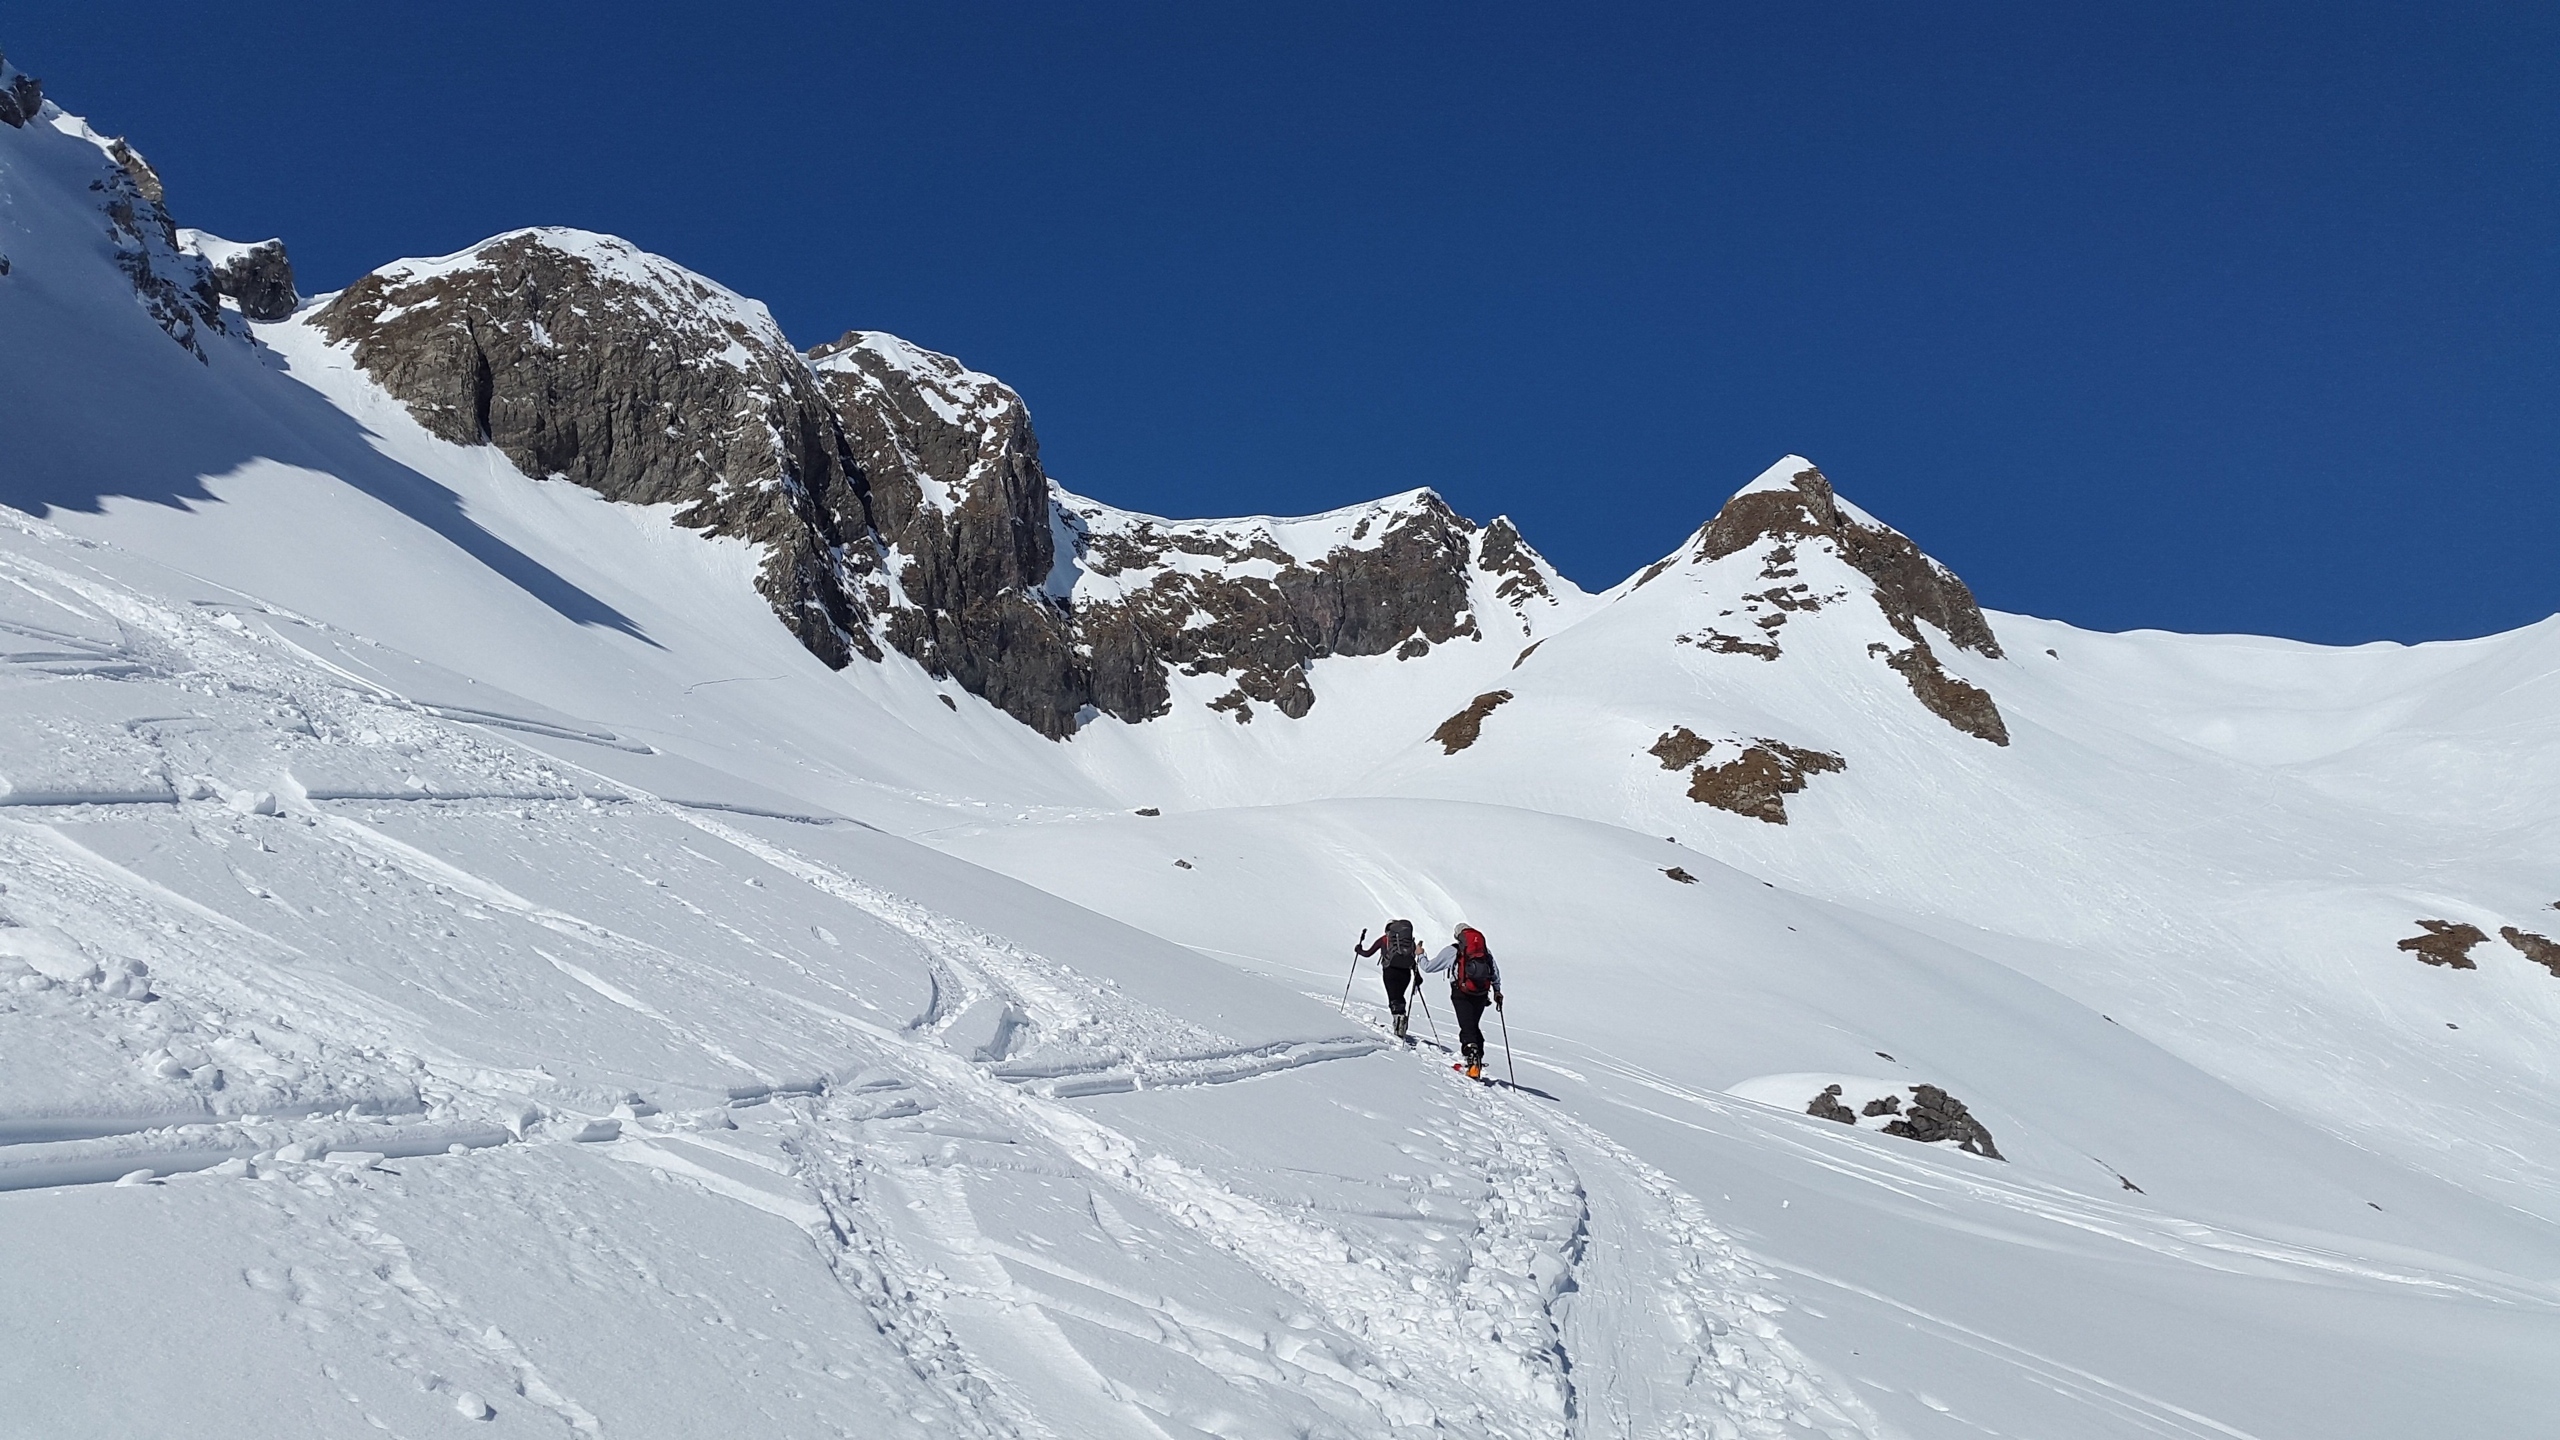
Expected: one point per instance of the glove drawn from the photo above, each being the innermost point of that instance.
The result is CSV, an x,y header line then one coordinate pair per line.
x,y
1497,999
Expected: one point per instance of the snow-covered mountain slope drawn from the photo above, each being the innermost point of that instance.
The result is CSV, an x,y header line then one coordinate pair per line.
x,y
555,976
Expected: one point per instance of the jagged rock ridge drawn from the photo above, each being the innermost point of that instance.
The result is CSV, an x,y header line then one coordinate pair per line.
x,y
901,494
173,284
903,506
1258,601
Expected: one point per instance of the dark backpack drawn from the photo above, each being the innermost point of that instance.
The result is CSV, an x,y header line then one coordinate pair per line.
x,y
1399,944
1474,971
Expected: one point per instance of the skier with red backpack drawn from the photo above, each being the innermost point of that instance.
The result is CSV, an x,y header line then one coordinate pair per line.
x,y
1474,982
1396,953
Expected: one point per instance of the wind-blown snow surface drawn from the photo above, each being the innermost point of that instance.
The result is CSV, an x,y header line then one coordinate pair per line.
x,y
539,990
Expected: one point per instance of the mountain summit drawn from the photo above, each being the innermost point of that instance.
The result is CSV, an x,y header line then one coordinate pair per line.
x,y
1789,529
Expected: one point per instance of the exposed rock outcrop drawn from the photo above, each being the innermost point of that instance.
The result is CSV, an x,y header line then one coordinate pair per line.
x,y
174,287
2542,950
1960,703
1909,585
586,360
258,278
1827,1106
1930,1116
1258,601
1054,607
1504,553
21,95
2446,942
1464,728
1753,779
964,513
1783,514
1935,1115
900,494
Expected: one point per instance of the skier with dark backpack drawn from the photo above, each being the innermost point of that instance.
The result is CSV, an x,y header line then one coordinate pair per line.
x,y
1474,982
1396,954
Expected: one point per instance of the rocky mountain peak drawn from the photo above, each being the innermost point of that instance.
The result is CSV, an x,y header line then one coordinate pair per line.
x,y
1793,501
1790,512
586,359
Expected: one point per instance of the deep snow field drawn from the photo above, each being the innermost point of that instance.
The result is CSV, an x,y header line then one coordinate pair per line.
x,y
465,968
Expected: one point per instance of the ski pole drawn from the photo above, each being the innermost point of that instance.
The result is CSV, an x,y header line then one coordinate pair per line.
x,y
1427,1019
1355,970
1505,1018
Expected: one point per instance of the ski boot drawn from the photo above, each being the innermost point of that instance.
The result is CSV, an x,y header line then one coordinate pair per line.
x,y
1400,1022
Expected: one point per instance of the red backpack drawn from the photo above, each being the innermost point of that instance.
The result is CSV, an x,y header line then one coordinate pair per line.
x,y
1474,971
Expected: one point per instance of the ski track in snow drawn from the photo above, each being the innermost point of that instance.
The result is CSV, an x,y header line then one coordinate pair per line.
x,y
1706,1359
1586,1296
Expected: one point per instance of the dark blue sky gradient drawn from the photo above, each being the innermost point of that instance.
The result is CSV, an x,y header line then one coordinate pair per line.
x,y
2209,317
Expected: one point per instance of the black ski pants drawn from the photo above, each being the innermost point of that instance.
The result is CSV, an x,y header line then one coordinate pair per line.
x,y
1470,1005
1398,978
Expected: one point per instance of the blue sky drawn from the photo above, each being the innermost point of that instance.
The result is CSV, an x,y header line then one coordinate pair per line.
x,y
2206,317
